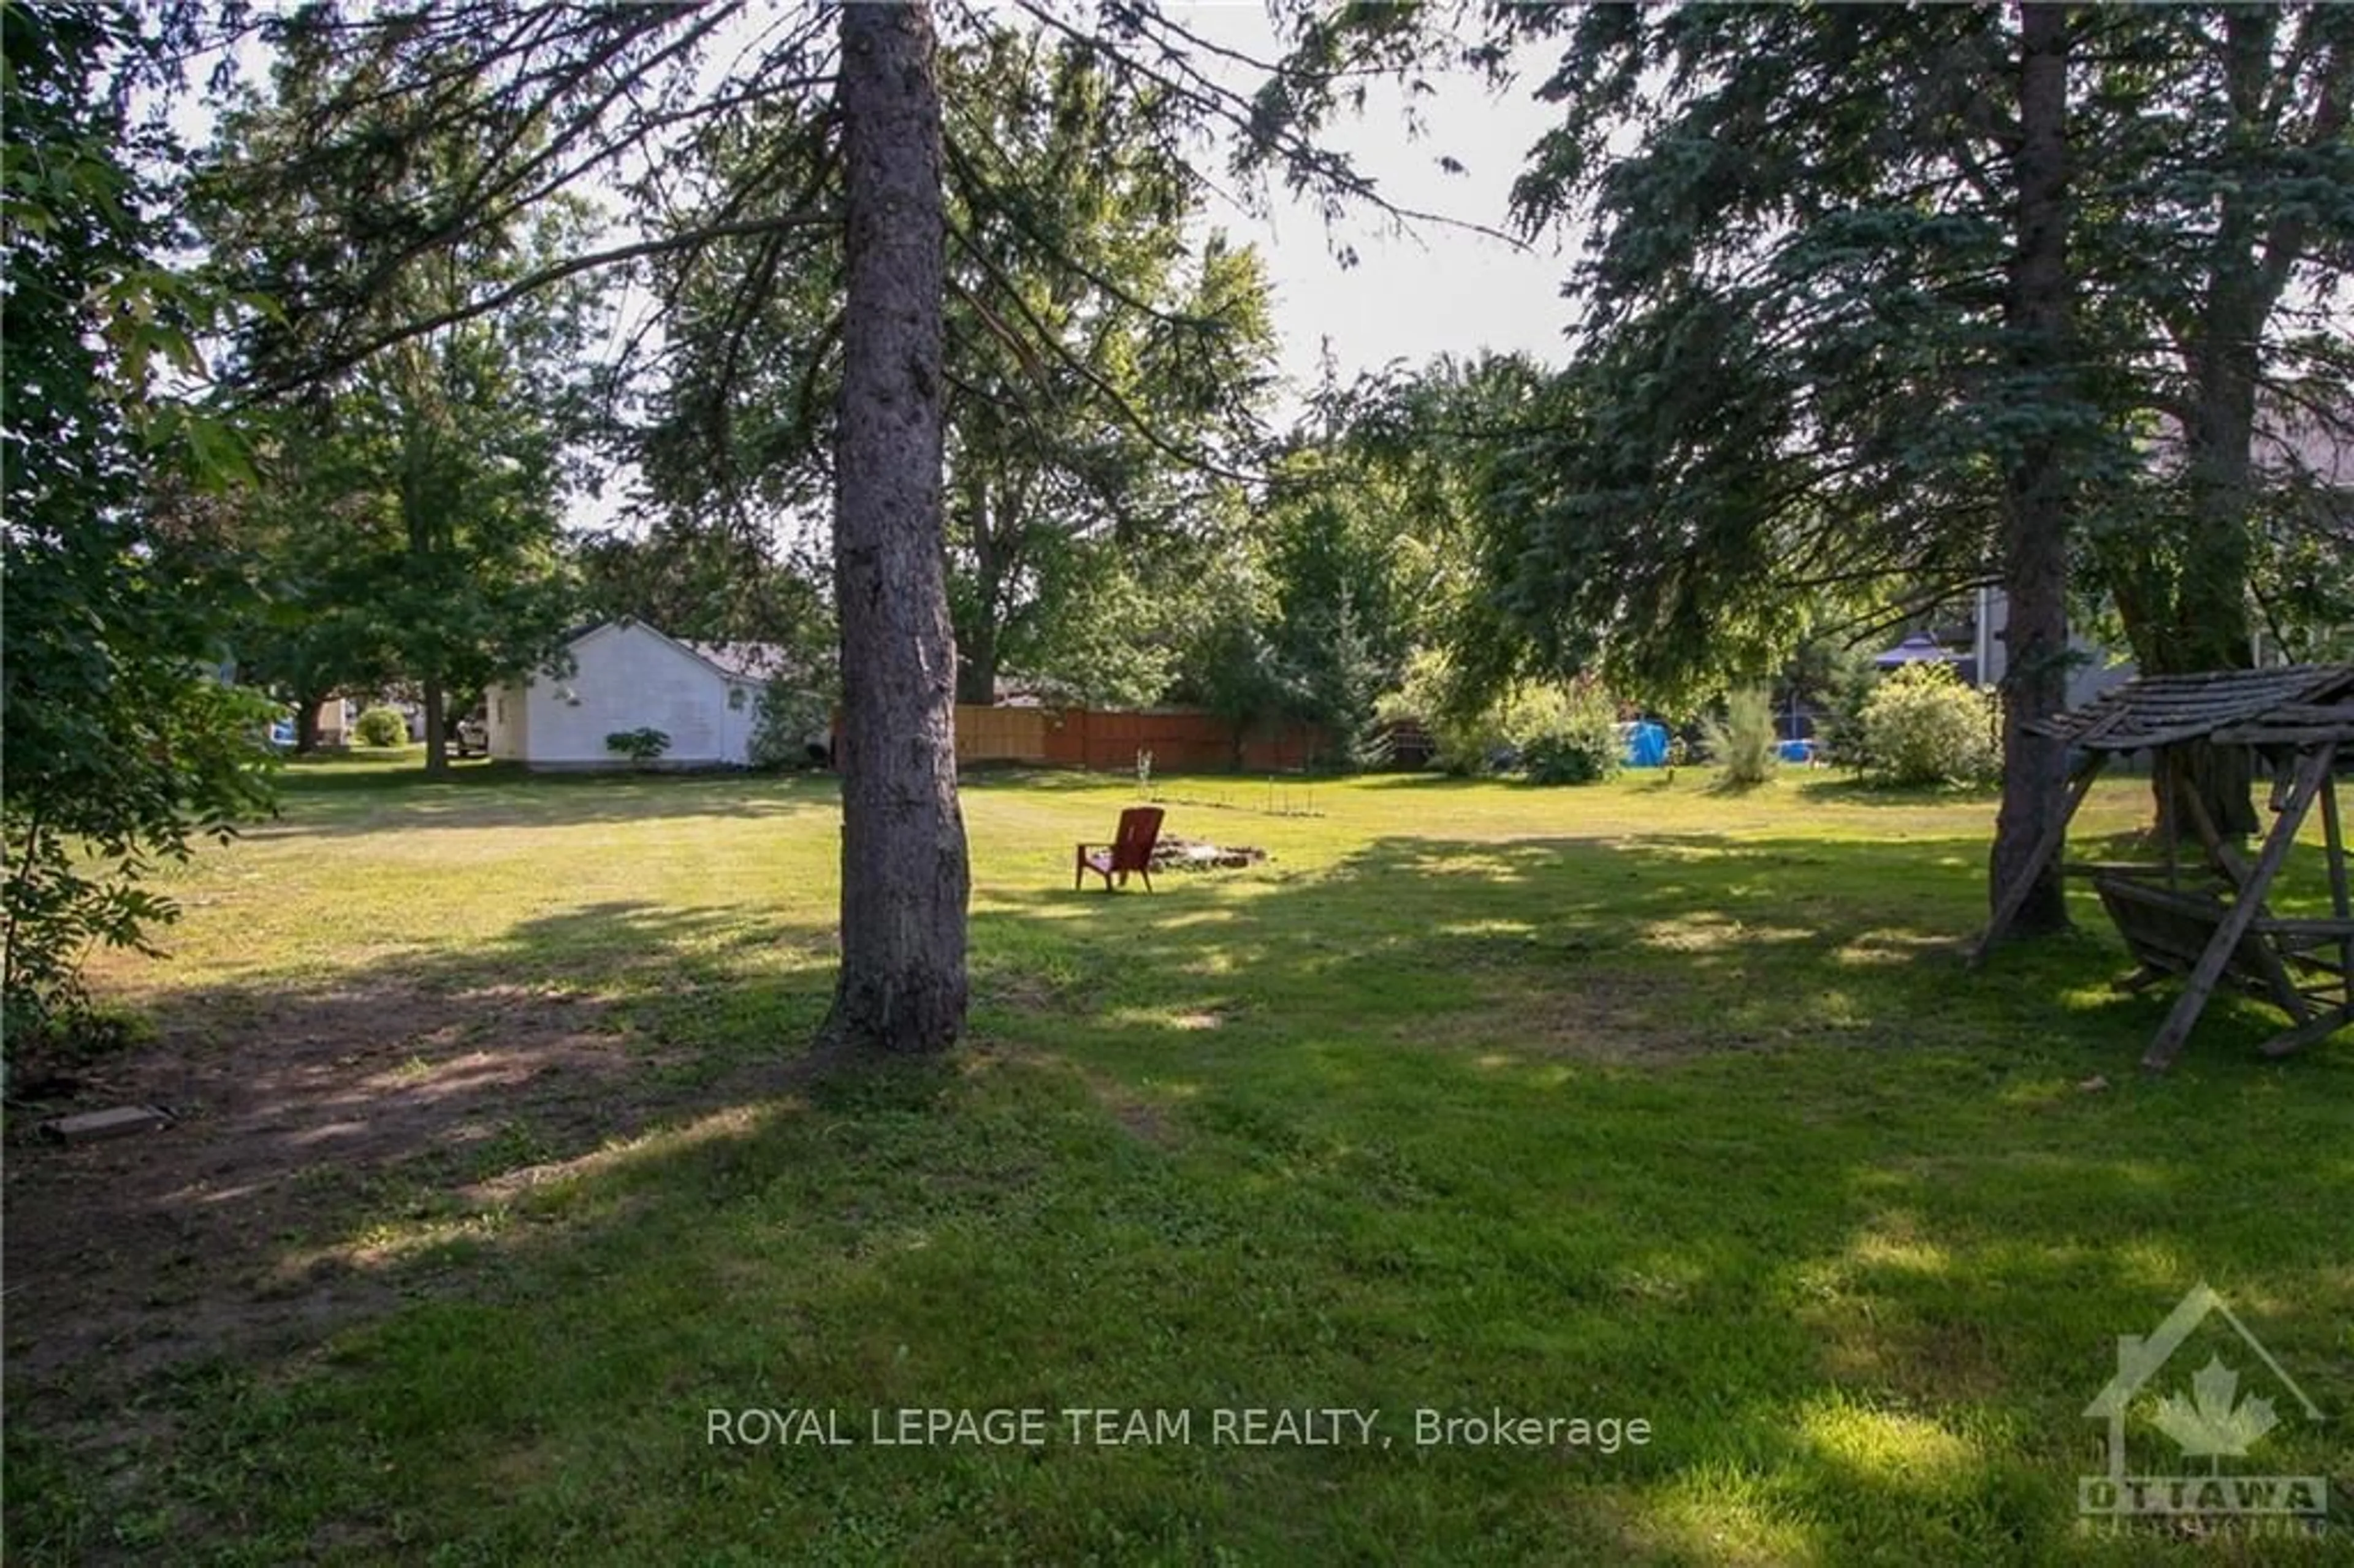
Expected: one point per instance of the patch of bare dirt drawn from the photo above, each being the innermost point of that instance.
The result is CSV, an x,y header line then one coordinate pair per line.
x,y
1599,1017
1141,1118
300,1119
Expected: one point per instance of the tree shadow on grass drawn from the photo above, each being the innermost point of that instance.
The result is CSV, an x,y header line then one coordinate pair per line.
x,y
1545,1123
494,795
1845,788
307,1114
1719,933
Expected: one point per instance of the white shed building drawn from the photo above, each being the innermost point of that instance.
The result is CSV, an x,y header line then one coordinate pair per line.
x,y
626,676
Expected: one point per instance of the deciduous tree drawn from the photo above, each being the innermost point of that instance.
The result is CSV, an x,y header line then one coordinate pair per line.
x,y
553,97
124,747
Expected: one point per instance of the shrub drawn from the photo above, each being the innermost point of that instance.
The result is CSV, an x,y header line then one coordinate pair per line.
x,y
1742,742
83,829
785,725
381,726
1559,733
1566,735
1471,743
1463,734
640,745
1924,727
1842,734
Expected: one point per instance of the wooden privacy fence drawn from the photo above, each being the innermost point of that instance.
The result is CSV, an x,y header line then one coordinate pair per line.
x,y
1000,735
1181,740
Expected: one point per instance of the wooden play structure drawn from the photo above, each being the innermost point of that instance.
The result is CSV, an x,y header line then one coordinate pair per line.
x,y
2204,914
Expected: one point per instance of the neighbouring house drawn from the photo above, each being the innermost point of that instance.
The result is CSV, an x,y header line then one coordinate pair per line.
x,y
333,719
2093,669
1975,650
2309,453
625,675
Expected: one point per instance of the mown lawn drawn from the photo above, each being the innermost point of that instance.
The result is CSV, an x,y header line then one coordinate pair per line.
x,y
1641,1102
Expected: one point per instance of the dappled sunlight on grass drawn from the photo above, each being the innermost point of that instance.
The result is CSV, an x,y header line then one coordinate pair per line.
x,y
733,1122
1716,1515
2039,1093
1892,945
1484,929
494,1205
1195,919
1191,1020
1894,1241
1706,933
1885,1448
1661,1276
1637,1099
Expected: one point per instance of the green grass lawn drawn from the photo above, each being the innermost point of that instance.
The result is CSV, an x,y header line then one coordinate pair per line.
x,y
1639,1102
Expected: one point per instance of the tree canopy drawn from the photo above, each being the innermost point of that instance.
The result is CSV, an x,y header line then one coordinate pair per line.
x,y
125,745
732,137
1876,305
1108,357
1879,305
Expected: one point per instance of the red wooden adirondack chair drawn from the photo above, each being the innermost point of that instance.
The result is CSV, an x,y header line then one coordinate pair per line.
x,y
1130,850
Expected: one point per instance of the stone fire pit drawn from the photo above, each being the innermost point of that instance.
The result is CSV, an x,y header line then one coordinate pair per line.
x,y
1187,854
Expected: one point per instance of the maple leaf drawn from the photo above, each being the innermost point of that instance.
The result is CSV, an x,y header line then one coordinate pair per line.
x,y
2210,1422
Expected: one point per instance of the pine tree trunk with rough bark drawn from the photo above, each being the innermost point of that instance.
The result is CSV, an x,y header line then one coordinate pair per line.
x,y
2212,627
903,873
2035,523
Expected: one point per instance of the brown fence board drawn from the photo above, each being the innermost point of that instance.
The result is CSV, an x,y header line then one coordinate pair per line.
x,y
1000,735
1106,741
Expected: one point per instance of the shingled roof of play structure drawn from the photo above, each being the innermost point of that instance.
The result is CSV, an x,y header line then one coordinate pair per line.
x,y
2167,710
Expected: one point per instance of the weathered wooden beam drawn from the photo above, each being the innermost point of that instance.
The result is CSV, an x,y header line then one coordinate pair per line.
x,y
2300,736
2203,906
2220,854
2260,956
2193,1001
2313,713
2320,1027
2333,847
2014,898
2164,775
2322,925
122,1122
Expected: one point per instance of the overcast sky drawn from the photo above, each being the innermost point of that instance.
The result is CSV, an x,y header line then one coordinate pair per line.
x,y
1435,289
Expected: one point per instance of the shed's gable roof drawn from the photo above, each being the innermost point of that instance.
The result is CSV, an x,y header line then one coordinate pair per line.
x,y
749,661
744,660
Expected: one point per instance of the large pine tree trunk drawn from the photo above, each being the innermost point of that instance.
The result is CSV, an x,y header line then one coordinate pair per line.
x,y
2210,626
2035,523
904,878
